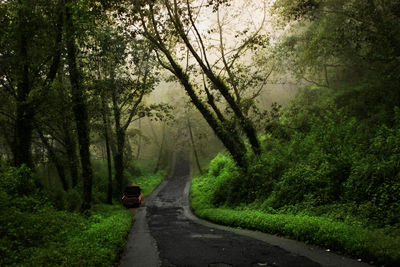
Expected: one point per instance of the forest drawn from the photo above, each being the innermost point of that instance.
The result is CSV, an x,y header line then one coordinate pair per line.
x,y
290,110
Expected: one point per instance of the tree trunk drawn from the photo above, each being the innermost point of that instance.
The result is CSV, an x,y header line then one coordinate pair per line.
x,y
119,160
70,148
120,136
109,168
80,112
22,153
194,147
104,112
245,123
23,123
231,141
139,141
25,110
106,137
160,153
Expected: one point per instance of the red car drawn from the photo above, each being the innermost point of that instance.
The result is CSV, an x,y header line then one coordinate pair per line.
x,y
132,196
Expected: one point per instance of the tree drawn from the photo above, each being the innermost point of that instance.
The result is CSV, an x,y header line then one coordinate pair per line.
x,y
174,24
196,156
334,41
123,87
79,107
30,49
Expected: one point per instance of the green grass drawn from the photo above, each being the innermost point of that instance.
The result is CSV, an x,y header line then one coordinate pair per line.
x,y
375,245
148,182
36,231
59,238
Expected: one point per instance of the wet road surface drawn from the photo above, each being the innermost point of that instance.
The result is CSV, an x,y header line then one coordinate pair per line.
x,y
163,235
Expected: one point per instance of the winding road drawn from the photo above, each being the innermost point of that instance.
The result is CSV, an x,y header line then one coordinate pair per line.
x,y
166,233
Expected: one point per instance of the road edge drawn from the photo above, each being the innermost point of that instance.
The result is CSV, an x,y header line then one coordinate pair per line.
x,y
140,241
316,254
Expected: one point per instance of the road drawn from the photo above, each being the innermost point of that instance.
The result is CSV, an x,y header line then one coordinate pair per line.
x,y
165,233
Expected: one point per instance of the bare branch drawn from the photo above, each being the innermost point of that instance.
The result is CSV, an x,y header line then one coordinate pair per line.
x,y
227,68
198,34
314,82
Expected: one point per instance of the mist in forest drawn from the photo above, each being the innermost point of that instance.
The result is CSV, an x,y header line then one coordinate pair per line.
x,y
288,111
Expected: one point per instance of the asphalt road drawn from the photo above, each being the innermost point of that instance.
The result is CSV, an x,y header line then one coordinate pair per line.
x,y
165,233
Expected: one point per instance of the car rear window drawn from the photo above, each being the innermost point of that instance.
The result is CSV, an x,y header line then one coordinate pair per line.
x,y
132,191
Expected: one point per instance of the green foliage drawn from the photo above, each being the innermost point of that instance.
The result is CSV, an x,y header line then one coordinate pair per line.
x,y
376,177
329,174
42,228
218,164
370,245
378,245
50,237
147,181
334,43
19,188
18,181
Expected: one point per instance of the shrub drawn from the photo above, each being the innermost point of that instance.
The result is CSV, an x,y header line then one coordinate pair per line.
x,y
376,178
50,237
18,181
74,200
218,164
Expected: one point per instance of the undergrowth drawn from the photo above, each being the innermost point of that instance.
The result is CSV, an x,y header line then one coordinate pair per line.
x,y
378,245
328,174
43,228
49,237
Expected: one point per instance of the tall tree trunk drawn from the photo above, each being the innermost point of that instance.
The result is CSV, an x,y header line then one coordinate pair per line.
x,y
194,147
139,141
160,153
245,123
23,123
109,168
80,111
120,136
70,148
104,112
107,139
25,110
23,135
119,160
231,140
234,145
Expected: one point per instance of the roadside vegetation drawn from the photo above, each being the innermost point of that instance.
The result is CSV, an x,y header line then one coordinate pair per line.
x,y
328,170
41,228
328,175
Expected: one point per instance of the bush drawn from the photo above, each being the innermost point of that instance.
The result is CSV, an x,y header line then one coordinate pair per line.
x,y
218,164
18,181
73,199
50,237
377,245
376,178
331,180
